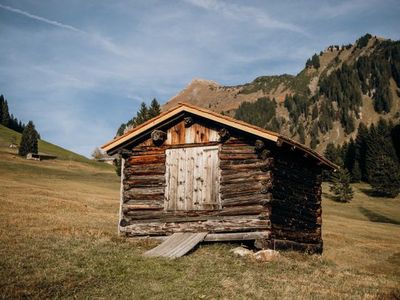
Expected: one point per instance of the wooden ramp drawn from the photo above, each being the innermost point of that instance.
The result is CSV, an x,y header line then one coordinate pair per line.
x,y
177,244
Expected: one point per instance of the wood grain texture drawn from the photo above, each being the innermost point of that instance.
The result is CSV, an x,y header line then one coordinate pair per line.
x,y
177,245
192,178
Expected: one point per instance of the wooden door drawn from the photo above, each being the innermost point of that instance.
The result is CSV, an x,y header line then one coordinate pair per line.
x,y
192,178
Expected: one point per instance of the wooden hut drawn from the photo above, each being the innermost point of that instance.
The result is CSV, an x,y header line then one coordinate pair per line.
x,y
193,170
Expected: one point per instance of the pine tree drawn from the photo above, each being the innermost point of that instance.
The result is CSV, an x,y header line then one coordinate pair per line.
x,y
395,133
315,61
382,165
154,109
314,113
142,115
356,172
314,136
29,140
5,116
300,130
385,176
361,149
1,108
333,153
350,156
121,129
340,186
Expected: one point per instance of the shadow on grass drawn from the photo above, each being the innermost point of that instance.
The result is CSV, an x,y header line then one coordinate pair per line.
x,y
371,193
375,217
329,196
333,198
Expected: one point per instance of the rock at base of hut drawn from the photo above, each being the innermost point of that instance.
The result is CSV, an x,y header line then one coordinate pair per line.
x,y
266,255
241,251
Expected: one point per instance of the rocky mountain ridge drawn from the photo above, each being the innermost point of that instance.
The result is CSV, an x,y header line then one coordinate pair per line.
x,y
337,90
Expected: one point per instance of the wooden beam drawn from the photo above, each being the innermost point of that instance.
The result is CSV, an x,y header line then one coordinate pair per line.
x,y
188,121
224,134
217,237
158,137
237,236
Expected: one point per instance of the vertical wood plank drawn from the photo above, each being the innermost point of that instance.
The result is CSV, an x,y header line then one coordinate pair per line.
x,y
190,156
121,195
192,178
181,177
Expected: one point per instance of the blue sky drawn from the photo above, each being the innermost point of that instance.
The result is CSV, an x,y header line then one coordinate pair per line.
x,y
79,69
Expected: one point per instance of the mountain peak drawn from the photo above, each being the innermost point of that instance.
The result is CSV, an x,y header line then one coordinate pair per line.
x,y
316,97
203,81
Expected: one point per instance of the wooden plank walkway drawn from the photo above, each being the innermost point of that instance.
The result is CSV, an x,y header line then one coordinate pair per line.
x,y
177,245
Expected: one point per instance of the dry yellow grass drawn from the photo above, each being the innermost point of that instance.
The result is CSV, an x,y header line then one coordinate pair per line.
x,y
58,240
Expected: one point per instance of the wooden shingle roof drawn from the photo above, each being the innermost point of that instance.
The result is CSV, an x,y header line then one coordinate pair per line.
x,y
215,117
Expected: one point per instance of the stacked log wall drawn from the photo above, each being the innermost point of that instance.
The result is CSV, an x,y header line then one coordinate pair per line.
x,y
296,205
245,201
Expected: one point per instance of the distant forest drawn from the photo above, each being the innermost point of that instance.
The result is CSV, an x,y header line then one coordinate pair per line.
x,y
7,119
339,94
145,113
373,157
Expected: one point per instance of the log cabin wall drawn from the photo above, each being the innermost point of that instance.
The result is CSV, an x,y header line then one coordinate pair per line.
x,y
296,204
245,181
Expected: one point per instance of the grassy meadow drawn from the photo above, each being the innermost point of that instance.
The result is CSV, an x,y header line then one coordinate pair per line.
x,y
58,240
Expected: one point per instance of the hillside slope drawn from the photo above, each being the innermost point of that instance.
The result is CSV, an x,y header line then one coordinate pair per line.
x,y
346,85
8,136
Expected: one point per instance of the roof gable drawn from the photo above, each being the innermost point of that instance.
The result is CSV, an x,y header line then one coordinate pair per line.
x,y
182,108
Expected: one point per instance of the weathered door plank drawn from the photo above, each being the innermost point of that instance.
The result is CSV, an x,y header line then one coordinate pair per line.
x,y
177,245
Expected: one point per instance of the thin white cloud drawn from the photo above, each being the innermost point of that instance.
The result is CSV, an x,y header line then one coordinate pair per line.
x,y
102,41
38,18
246,13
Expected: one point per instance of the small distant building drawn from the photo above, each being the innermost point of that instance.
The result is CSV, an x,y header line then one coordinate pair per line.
x,y
193,170
40,156
107,160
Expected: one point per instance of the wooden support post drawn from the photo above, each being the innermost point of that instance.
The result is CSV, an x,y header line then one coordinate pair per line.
x,y
121,195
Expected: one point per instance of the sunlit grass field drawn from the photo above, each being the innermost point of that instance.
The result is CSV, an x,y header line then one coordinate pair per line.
x,y
58,239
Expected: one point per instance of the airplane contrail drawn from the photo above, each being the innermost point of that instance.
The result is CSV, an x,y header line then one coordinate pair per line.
x,y
35,17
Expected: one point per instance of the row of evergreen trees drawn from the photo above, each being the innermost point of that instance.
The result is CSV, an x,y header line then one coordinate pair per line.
x,y
259,113
7,119
29,138
343,87
313,62
373,157
370,75
145,113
